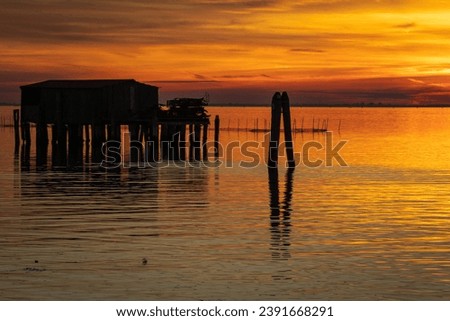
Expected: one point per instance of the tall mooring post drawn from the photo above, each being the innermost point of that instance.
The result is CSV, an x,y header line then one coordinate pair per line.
x,y
280,105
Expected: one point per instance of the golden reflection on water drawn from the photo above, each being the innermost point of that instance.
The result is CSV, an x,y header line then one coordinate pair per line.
x,y
377,229
401,137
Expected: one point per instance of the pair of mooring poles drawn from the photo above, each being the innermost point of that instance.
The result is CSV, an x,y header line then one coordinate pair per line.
x,y
280,105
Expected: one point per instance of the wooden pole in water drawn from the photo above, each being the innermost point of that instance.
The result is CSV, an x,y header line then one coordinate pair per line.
x,y
16,131
25,130
191,142
98,138
87,141
61,154
175,143
216,136
339,128
164,141
135,146
204,142
286,109
274,131
171,141
75,141
152,144
41,137
197,149
183,142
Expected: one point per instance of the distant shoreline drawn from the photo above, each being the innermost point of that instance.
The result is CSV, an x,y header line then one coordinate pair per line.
x,y
305,105
9,105
337,106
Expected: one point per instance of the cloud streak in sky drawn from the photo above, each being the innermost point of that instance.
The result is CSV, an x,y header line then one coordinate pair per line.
x,y
226,44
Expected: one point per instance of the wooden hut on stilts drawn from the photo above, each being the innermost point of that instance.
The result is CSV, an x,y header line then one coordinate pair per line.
x,y
93,113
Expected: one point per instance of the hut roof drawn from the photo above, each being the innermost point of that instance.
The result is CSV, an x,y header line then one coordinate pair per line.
x,y
81,84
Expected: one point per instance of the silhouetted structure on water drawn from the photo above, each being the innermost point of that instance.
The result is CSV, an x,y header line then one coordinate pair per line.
x,y
91,113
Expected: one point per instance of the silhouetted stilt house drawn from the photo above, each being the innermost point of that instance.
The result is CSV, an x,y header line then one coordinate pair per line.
x,y
93,111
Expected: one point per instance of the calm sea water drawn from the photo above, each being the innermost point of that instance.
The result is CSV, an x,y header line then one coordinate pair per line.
x,y
375,229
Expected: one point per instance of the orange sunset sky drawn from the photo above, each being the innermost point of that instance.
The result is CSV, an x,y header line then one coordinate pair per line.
x,y
239,51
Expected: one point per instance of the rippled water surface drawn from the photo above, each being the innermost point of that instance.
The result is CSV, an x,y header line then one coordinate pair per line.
x,y
375,229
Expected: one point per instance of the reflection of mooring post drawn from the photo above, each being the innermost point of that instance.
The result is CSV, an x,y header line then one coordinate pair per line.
x,y
280,104
280,214
274,197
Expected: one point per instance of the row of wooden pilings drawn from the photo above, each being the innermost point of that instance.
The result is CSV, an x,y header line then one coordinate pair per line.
x,y
73,143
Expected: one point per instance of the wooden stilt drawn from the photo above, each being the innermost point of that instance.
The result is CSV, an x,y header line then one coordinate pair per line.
x,y
216,136
205,143
26,129
153,152
164,141
16,117
183,142
41,134
197,149
87,141
41,144
175,142
191,142
98,138
75,144
135,146
25,157
152,146
54,144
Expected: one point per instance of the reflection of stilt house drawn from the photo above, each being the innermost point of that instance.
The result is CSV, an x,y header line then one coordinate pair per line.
x,y
93,111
